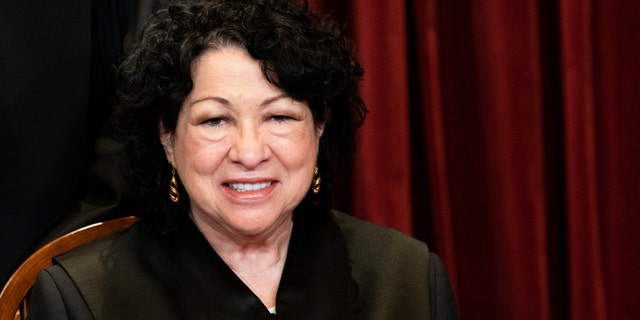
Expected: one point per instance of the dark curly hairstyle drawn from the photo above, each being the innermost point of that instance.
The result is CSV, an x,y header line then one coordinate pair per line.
x,y
304,55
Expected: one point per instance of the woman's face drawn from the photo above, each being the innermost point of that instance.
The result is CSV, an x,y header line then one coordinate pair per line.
x,y
244,150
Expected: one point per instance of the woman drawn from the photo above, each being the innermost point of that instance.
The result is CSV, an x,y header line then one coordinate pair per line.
x,y
234,114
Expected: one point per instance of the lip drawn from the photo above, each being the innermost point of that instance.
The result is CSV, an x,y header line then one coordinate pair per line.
x,y
243,187
249,189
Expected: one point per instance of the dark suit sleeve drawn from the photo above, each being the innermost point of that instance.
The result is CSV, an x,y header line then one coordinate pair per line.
x,y
442,300
55,297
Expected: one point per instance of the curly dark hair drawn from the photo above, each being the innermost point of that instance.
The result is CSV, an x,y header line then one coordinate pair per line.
x,y
306,56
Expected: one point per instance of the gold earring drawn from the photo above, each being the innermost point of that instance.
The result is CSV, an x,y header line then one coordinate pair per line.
x,y
174,194
315,183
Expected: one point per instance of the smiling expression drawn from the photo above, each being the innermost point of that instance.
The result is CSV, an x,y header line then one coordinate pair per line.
x,y
244,150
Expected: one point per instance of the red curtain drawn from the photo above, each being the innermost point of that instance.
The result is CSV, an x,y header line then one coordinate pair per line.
x,y
506,134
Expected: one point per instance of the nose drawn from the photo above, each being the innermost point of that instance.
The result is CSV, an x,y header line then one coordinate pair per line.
x,y
249,147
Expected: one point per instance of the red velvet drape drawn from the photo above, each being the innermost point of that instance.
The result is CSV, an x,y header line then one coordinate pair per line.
x,y
506,134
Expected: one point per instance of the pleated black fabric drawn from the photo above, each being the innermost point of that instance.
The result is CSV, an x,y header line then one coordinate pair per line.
x,y
337,267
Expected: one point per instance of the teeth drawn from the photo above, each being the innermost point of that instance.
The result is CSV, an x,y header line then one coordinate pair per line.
x,y
243,187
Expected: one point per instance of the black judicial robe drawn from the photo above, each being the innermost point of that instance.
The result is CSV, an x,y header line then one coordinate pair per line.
x,y
338,267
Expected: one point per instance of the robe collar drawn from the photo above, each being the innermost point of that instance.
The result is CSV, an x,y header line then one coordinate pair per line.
x,y
316,283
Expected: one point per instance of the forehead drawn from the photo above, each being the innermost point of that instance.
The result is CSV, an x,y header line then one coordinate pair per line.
x,y
224,60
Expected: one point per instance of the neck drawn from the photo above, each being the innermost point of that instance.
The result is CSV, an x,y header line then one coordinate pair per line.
x,y
249,253
258,260
254,256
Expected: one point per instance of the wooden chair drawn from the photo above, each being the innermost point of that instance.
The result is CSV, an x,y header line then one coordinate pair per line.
x,y
13,298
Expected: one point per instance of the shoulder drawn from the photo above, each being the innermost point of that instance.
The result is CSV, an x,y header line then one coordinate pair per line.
x,y
364,235
63,291
94,253
117,275
390,268
103,268
55,296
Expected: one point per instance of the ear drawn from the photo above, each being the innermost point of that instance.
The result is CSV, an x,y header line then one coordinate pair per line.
x,y
319,131
166,138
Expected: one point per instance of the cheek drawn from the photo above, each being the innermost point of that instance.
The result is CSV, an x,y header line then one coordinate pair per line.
x,y
194,154
298,150
301,164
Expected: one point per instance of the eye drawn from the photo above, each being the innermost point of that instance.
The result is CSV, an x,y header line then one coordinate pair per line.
x,y
215,122
280,118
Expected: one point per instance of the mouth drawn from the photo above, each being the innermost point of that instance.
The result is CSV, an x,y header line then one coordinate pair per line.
x,y
244,187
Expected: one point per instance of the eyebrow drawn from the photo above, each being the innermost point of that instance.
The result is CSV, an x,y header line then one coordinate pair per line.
x,y
274,99
224,101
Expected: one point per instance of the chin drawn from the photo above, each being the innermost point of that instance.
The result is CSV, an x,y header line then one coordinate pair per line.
x,y
254,226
